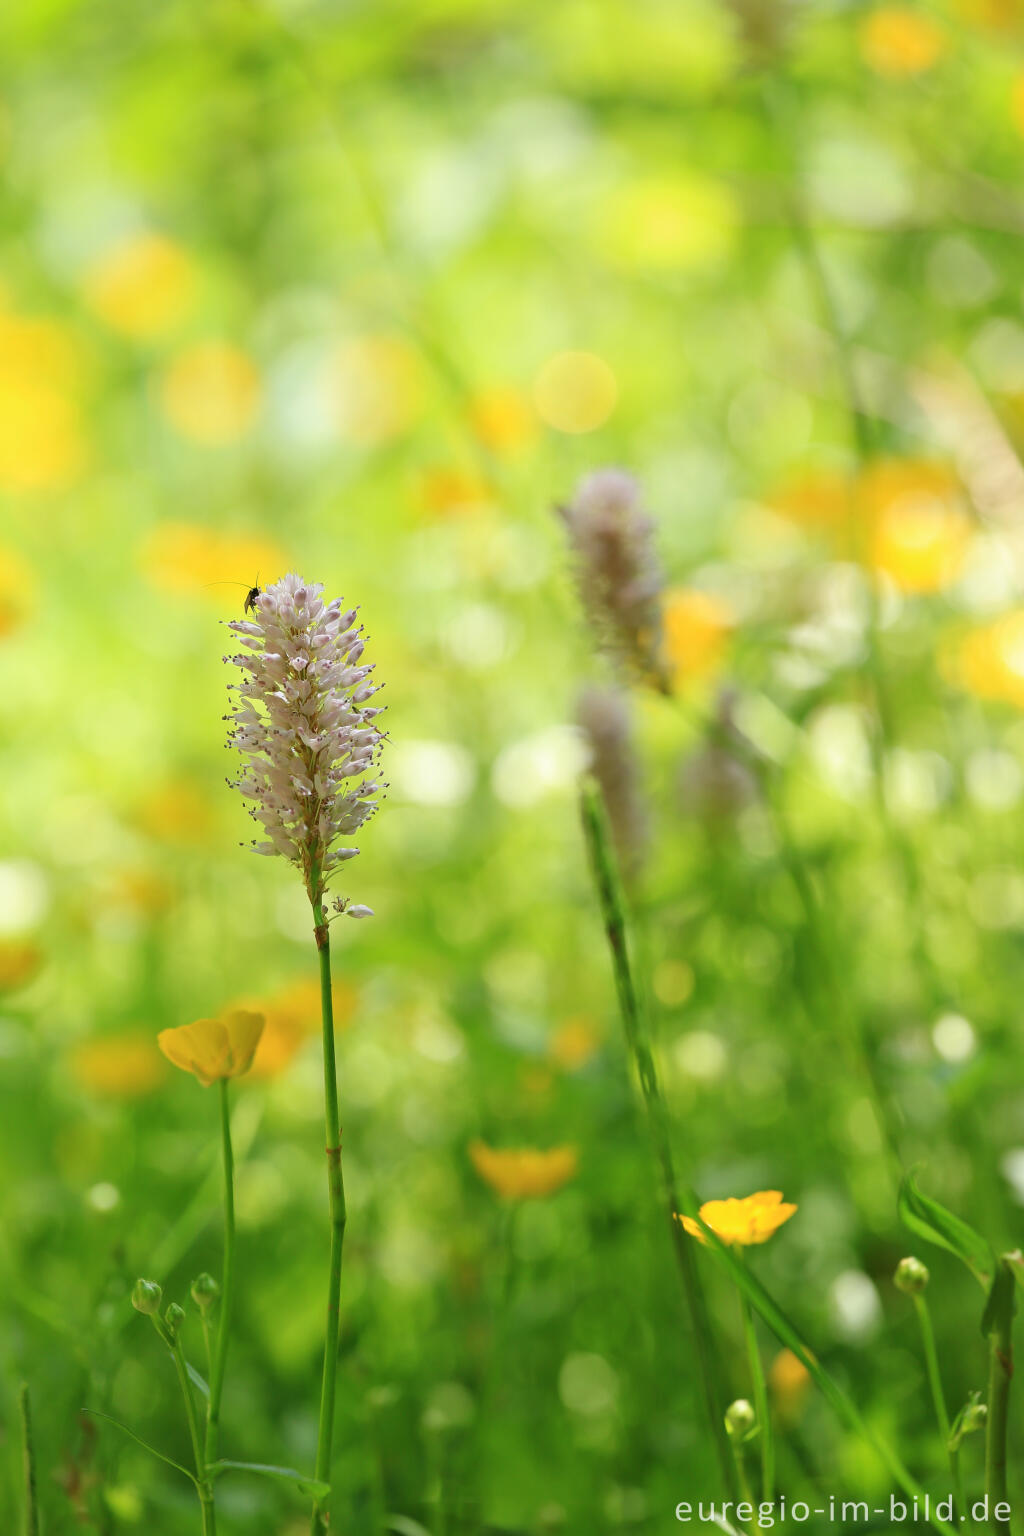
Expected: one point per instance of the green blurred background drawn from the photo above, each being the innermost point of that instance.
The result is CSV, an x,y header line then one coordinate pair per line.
x,y
361,291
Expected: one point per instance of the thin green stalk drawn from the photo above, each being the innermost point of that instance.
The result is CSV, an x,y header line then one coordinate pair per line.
x,y
336,1196
612,905
999,1323
931,1360
227,1282
31,1501
204,1487
761,1407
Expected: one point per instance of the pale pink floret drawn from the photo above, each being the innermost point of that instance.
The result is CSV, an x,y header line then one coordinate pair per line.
x,y
300,721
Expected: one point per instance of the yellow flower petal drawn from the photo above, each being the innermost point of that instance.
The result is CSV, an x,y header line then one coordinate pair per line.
x,y
743,1222
213,1049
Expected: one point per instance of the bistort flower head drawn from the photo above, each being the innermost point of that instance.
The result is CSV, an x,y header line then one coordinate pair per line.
x,y
305,729
743,1222
214,1048
616,569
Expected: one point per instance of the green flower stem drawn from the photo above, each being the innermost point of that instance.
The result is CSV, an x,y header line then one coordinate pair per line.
x,y
336,1195
205,1488
761,1407
612,905
742,1478
931,1360
227,1283
31,1501
1000,1326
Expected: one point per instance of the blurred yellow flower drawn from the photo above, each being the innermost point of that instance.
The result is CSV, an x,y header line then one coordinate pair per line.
x,y
377,388
187,557
1017,104
989,661
17,590
919,530
815,499
137,889
454,492
1000,15
176,811
675,223
575,392
522,1173
895,40
20,961
574,1042
210,393
42,435
119,1066
503,419
291,1016
695,635
142,286
753,1219
214,1049
789,1381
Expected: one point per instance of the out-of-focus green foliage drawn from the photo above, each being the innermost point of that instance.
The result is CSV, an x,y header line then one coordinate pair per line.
x,y
361,291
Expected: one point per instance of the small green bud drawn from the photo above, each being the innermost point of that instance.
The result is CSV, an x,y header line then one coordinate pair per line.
x,y
972,1416
740,1420
911,1276
146,1297
174,1317
205,1292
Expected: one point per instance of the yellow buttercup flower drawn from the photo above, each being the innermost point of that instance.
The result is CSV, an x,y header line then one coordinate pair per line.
x,y
20,960
898,41
743,1222
697,628
214,1048
789,1381
523,1173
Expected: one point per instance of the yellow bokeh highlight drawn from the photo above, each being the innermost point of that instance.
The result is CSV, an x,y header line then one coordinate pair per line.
x,y
815,499
789,1382
377,388
575,392
1017,104
989,661
210,393
42,434
918,530
176,811
291,1017
124,1065
999,15
451,492
523,1173
897,41
20,961
695,635
187,557
503,419
574,1043
143,286
17,591
668,224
